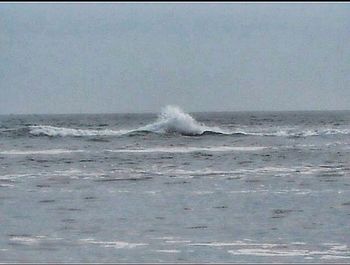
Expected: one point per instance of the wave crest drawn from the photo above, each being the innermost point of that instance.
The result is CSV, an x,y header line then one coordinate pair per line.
x,y
174,120
171,120
60,131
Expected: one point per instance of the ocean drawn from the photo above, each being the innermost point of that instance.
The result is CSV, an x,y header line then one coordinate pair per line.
x,y
176,187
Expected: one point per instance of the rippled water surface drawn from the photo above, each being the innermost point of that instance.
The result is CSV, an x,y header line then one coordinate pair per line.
x,y
210,187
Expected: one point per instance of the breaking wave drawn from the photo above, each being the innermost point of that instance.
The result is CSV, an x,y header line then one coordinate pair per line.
x,y
61,131
296,133
174,120
171,120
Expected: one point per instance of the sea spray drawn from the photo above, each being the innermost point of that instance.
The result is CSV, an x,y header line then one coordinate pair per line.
x,y
171,120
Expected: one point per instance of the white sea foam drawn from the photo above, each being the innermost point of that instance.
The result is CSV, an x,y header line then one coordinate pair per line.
x,y
13,176
260,170
165,238
190,149
167,251
155,170
112,244
71,173
173,120
266,253
177,241
7,185
61,131
39,152
235,243
33,240
253,248
298,132
211,172
26,240
270,252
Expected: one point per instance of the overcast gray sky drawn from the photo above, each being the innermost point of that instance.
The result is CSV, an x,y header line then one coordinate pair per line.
x,y
133,57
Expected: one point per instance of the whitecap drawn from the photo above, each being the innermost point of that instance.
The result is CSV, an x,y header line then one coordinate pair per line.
x,y
190,149
39,152
167,251
174,120
61,131
113,244
171,120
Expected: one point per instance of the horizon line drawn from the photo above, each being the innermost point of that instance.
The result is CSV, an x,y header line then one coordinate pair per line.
x,y
151,112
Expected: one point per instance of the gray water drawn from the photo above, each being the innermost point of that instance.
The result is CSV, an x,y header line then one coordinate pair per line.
x,y
234,187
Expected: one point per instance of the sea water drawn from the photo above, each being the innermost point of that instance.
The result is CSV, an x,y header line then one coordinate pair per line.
x,y
174,187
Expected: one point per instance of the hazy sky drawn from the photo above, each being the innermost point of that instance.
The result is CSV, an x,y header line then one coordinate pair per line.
x,y
133,57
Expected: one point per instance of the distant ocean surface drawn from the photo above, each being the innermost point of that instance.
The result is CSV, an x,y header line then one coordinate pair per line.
x,y
174,187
